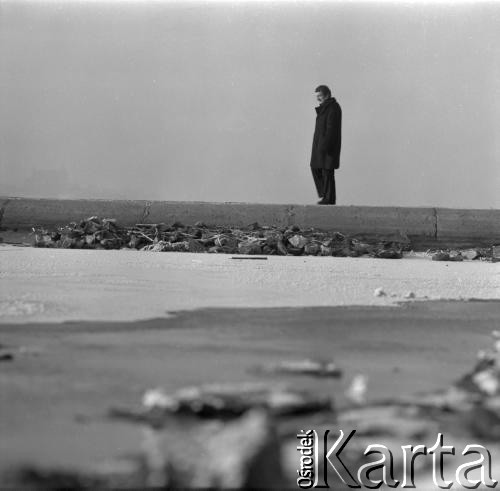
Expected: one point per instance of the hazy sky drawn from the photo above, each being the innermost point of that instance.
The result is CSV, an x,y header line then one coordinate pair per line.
x,y
215,101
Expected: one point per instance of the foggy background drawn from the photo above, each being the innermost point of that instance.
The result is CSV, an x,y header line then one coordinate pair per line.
x,y
215,101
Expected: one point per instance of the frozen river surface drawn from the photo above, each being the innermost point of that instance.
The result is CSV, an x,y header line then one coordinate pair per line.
x,y
38,285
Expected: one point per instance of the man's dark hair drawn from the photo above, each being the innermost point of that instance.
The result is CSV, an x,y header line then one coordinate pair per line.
x,y
324,90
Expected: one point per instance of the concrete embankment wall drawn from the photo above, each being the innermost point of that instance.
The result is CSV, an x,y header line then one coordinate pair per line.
x,y
424,225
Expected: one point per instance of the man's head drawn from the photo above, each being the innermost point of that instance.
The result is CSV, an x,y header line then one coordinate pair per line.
x,y
322,93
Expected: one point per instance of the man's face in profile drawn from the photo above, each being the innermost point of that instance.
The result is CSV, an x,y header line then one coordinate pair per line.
x,y
320,97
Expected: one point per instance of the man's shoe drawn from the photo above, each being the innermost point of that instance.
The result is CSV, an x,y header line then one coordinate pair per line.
x,y
322,202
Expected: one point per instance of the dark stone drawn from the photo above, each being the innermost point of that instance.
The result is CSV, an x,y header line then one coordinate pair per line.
x,y
441,256
295,251
312,249
195,246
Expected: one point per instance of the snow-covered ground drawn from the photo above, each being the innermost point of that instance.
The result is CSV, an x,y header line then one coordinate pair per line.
x,y
39,285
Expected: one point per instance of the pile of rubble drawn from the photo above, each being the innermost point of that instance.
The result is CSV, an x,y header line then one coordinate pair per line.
x,y
105,233
481,253
97,233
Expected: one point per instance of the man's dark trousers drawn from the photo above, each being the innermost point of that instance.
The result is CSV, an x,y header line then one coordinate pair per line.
x,y
325,184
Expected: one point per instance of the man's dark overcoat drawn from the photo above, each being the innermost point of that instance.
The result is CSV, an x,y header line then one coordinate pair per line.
x,y
327,136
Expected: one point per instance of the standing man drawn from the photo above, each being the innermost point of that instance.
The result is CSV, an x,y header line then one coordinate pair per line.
x,y
325,156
